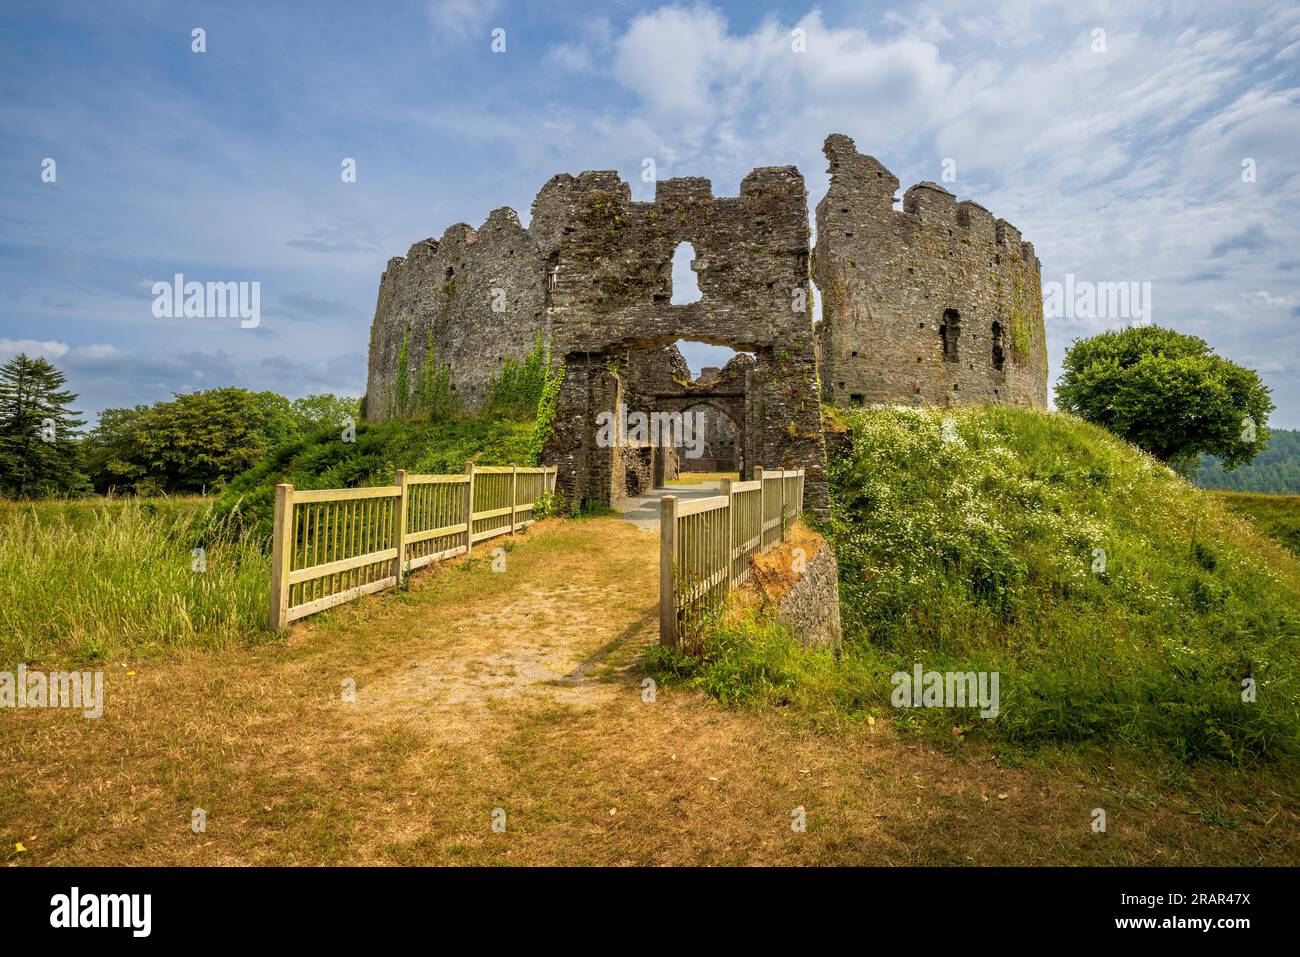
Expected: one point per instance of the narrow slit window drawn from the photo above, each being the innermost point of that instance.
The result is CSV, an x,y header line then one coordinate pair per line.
x,y
949,333
684,287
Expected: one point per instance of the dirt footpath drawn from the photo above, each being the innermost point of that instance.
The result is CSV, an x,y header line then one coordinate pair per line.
x,y
403,727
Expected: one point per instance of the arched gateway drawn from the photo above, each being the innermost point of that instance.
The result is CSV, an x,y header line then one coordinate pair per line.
x,y
936,304
611,307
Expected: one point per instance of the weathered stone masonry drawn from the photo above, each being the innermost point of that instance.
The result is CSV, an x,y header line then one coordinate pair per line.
x,y
612,297
938,304
467,302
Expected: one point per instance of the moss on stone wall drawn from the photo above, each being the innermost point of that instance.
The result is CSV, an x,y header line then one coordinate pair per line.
x,y
1019,324
402,386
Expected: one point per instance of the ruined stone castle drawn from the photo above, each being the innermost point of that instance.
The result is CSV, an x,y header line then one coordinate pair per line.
x,y
936,304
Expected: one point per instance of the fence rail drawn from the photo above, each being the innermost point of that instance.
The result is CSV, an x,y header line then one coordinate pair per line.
x,y
333,545
705,544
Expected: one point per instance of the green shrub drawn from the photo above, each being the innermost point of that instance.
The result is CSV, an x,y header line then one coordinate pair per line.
x,y
979,554
326,461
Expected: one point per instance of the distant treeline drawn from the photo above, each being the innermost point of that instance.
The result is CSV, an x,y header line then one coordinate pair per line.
x,y
191,443
1275,471
197,442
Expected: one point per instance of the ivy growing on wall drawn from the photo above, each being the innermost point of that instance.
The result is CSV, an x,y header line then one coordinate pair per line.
x,y
433,387
518,388
546,407
402,386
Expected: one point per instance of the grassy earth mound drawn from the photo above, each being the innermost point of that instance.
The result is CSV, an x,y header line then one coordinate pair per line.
x,y
1277,516
326,461
1117,603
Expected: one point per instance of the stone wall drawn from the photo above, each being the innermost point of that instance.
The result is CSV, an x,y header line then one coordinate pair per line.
x,y
811,609
467,302
612,290
805,601
938,304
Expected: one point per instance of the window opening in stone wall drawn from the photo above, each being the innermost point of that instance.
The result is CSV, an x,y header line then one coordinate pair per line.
x,y
999,356
949,332
684,284
718,441
552,275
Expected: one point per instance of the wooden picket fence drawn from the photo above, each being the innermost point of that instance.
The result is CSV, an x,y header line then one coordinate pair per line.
x,y
705,544
333,545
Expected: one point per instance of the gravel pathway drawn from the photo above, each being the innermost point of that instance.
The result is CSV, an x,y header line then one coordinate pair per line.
x,y
643,510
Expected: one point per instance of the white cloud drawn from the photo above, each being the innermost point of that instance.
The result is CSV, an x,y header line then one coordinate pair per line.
x,y
96,353
49,348
458,19
672,58
1118,166
60,352
570,56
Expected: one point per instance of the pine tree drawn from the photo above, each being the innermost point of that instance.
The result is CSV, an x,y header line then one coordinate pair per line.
x,y
38,453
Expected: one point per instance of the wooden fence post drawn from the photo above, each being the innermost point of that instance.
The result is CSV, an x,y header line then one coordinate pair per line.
x,y
281,557
399,525
514,482
667,584
784,482
725,488
762,509
469,507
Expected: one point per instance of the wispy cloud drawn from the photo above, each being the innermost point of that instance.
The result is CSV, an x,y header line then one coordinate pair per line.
x,y
1124,163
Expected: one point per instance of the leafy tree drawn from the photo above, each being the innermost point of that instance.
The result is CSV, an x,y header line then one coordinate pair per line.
x,y
203,438
1168,393
38,453
314,412
275,419
109,451
188,444
200,440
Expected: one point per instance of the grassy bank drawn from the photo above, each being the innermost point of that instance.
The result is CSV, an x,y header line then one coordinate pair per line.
x,y
372,458
1117,603
1277,516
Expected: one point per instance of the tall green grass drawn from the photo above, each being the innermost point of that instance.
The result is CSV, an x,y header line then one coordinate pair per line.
x,y
96,579
1277,516
93,579
977,554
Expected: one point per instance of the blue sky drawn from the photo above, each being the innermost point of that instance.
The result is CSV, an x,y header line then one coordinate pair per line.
x,y
1122,164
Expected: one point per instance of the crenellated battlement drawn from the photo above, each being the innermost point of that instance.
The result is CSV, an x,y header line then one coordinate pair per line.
x,y
864,190
934,304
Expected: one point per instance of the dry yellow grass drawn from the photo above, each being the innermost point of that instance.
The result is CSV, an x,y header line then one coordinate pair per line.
x,y
518,690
